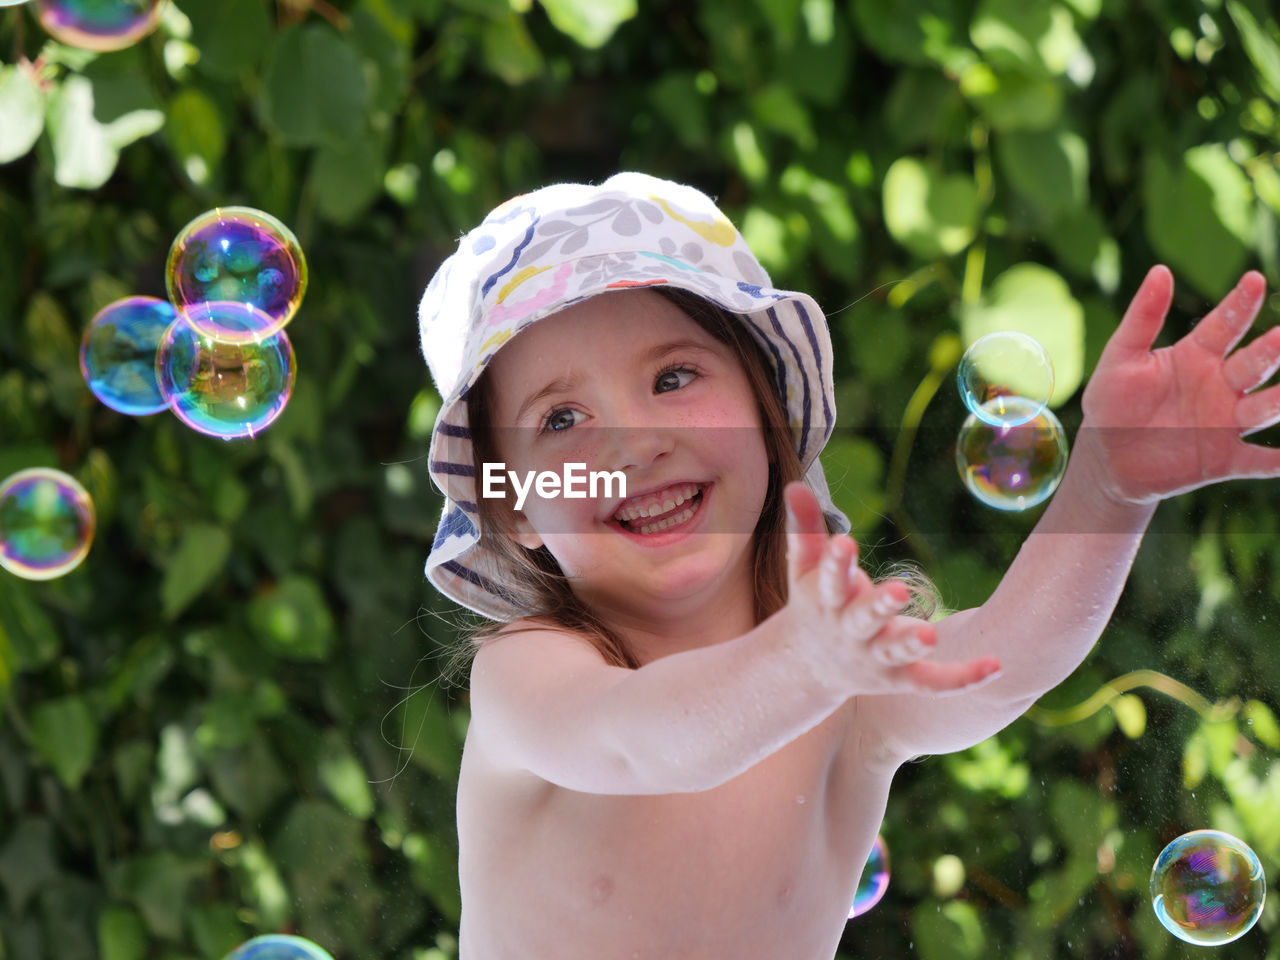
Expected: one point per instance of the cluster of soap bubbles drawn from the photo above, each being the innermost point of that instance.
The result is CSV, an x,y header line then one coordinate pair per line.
x,y
1208,888
101,25
278,946
215,353
1011,451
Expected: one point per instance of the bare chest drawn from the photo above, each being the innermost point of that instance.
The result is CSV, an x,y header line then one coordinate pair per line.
x,y
768,858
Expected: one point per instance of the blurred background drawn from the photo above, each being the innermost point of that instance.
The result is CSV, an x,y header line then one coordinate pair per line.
x,y
230,719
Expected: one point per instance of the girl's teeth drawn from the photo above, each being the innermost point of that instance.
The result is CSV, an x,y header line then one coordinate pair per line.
x,y
634,513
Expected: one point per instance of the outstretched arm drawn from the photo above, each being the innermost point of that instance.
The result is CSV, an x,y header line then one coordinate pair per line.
x,y
1157,423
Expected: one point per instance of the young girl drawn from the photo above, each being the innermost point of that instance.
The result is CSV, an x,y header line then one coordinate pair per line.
x,y
685,719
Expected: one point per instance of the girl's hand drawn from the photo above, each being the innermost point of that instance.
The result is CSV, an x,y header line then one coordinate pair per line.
x,y
1171,420
834,604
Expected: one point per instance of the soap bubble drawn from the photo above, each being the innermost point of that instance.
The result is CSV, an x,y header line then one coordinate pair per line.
x,y
1207,887
46,523
1012,467
1000,366
101,25
874,881
118,354
236,254
225,389
12,3
279,946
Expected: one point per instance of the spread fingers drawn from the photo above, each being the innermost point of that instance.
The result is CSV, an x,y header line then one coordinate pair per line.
x,y
903,640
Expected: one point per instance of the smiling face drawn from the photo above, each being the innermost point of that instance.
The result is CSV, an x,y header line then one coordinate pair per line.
x,y
658,416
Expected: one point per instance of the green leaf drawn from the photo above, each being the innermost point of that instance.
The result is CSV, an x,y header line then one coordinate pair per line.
x,y
296,849
1012,100
120,85
1131,714
676,98
314,88
64,733
924,106
1034,300
1049,168
33,640
510,52
1199,216
27,861
1262,723
86,151
121,935
590,22
777,108
921,32
22,106
231,35
816,65
348,178
293,620
1259,47
931,214
216,929
859,491
782,15
425,729
1080,240
343,776
157,884
1032,38
201,556
951,931
196,133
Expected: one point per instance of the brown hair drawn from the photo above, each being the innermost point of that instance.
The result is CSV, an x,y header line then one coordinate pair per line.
x,y
541,588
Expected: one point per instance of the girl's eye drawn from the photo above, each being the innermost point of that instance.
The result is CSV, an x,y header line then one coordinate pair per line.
x,y
665,374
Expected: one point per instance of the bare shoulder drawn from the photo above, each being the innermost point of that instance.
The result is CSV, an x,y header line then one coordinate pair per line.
x,y
535,690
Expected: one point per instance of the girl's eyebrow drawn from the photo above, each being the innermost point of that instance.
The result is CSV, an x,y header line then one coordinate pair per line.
x,y
565,384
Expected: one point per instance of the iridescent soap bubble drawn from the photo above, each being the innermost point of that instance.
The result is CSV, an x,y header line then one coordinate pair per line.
x,y
101,25
279,946
12,3
1012,468
874,881
118,354
1207,887
237,254
222,388
1000,366
46,523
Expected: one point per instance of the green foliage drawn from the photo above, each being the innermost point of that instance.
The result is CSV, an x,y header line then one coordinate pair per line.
x,y
226,722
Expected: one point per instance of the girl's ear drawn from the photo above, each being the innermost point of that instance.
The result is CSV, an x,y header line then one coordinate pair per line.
x,y
524,532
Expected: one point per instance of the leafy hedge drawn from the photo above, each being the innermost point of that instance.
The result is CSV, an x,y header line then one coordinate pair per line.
x,y
226,723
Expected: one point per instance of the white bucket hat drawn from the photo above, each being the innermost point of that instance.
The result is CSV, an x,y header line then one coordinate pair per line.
x,y
542,251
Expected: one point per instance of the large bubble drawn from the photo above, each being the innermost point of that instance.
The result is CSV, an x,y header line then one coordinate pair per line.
x,y
226,389
1012,467
101,25
279,946
46,523
118,354
1005,377
874,881
1207,887
241,255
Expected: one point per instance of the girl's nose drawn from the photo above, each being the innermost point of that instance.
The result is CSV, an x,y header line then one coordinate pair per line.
x,y
636,446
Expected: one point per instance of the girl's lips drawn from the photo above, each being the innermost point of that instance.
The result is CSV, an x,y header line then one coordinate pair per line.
x,y
675,534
